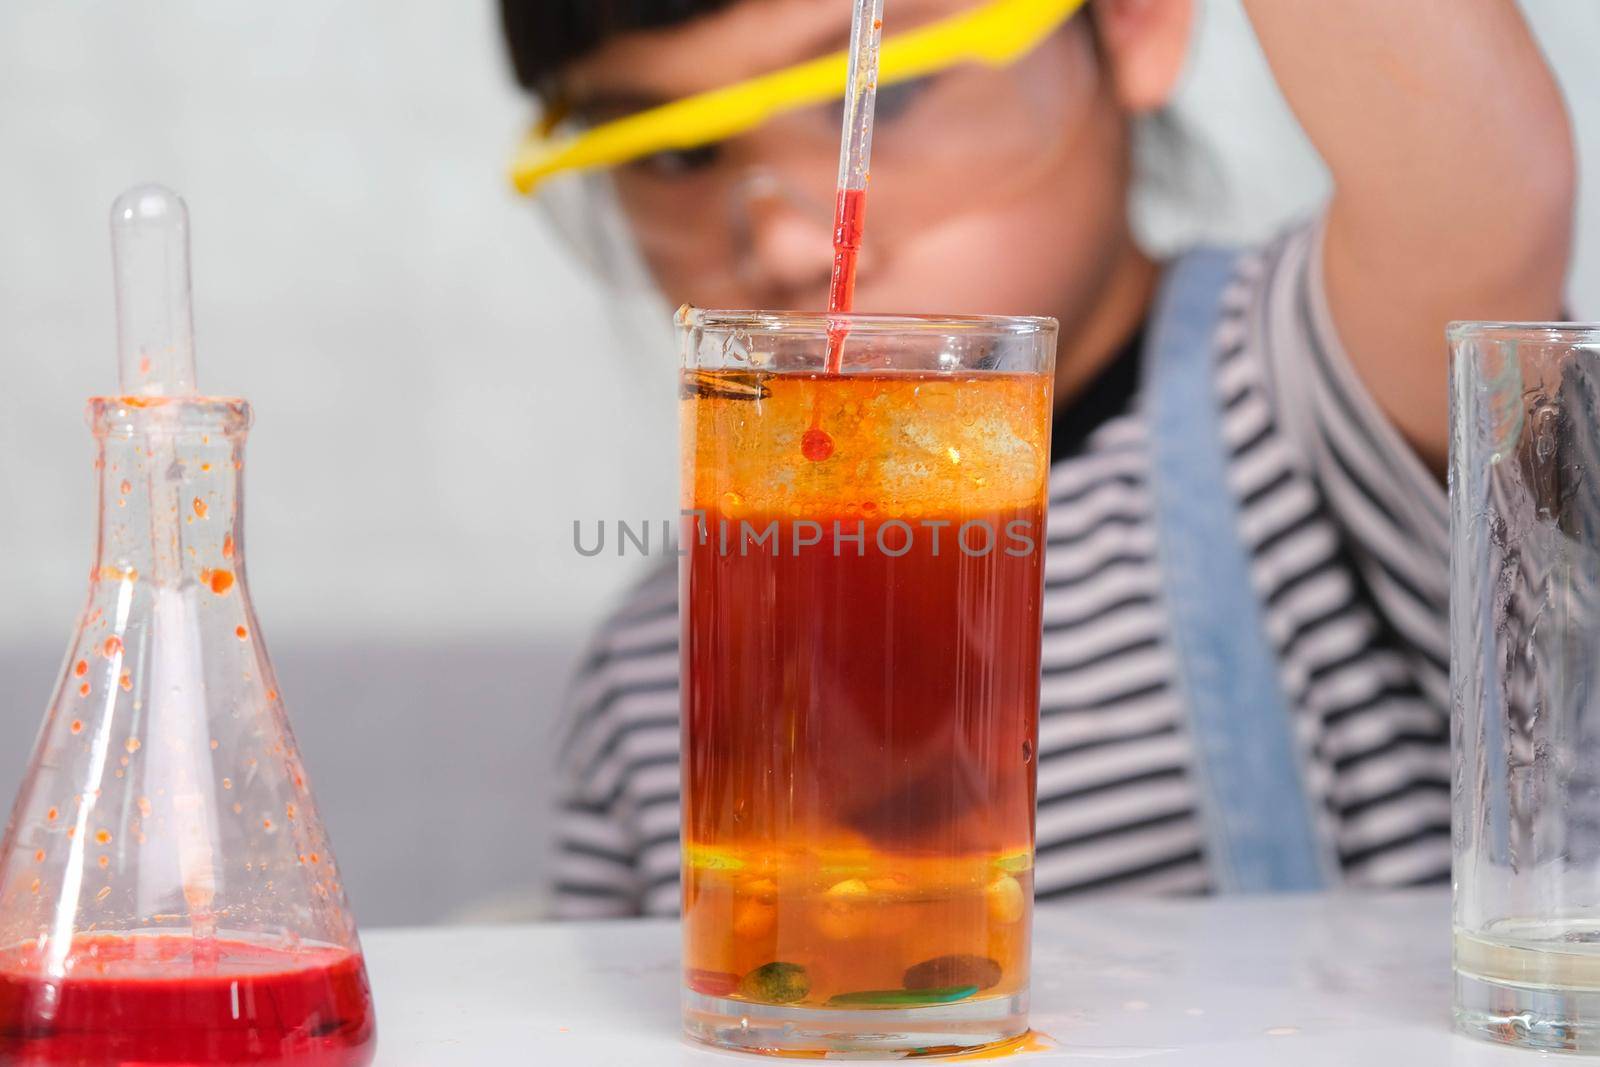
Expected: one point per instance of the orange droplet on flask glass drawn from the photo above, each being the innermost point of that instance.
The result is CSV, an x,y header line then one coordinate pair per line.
x,y
220,581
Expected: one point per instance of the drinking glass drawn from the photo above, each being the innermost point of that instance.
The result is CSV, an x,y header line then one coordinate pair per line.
x,y
1525,644
861,585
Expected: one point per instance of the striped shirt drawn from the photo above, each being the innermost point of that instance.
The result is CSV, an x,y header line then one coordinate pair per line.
x,y
1347,536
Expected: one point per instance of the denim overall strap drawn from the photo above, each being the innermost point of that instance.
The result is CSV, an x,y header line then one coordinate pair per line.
x,y
1261,835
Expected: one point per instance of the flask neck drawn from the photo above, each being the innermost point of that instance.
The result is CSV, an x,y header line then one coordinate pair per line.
x,y
170,493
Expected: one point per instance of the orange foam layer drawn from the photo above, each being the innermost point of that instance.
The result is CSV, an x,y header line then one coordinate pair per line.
x,y
905,444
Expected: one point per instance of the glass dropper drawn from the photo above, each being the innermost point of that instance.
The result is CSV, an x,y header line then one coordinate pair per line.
x,y
855,164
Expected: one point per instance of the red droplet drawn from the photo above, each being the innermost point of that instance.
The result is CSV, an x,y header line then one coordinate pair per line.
x,y
816,445
227,546
113,646
82,668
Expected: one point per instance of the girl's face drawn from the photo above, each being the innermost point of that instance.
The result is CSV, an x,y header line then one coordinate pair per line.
x,y
993,191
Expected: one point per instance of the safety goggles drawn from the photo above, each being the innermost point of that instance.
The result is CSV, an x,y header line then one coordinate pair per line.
x,y
971,109
996,34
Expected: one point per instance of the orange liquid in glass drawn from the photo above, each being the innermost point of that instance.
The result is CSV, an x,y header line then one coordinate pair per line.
x,y
861,716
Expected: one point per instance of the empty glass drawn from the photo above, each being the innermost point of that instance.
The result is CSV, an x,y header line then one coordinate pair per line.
x,y
1525,642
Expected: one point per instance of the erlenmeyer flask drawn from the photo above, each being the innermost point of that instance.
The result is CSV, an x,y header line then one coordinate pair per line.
x,y
167,892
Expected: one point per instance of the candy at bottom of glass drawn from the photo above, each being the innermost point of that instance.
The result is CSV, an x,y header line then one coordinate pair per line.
x,y
855,931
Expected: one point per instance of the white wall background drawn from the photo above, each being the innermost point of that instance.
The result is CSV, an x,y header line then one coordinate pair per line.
x,y
438,393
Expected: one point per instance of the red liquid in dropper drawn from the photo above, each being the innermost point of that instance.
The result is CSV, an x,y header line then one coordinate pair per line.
x,y
144,1000
849,223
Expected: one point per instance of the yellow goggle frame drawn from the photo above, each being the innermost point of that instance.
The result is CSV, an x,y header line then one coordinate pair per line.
x,y
997,34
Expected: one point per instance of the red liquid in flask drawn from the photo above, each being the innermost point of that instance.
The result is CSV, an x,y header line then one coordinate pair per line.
x,y
147,1001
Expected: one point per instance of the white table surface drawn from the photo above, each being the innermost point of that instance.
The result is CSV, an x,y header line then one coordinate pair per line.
x,y
1306,980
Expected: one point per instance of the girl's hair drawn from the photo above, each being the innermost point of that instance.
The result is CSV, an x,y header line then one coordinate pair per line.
x,y
546,35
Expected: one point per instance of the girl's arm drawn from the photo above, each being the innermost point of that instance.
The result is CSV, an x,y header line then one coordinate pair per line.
x,y
1454,179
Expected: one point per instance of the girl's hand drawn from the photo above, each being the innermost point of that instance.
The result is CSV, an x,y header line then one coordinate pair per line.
x,y
1454,180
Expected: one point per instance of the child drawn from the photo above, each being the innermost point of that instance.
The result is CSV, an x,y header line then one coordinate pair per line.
x,y
1322,370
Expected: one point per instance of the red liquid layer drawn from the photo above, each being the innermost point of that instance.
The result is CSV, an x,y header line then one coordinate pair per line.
x,y
148,1001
